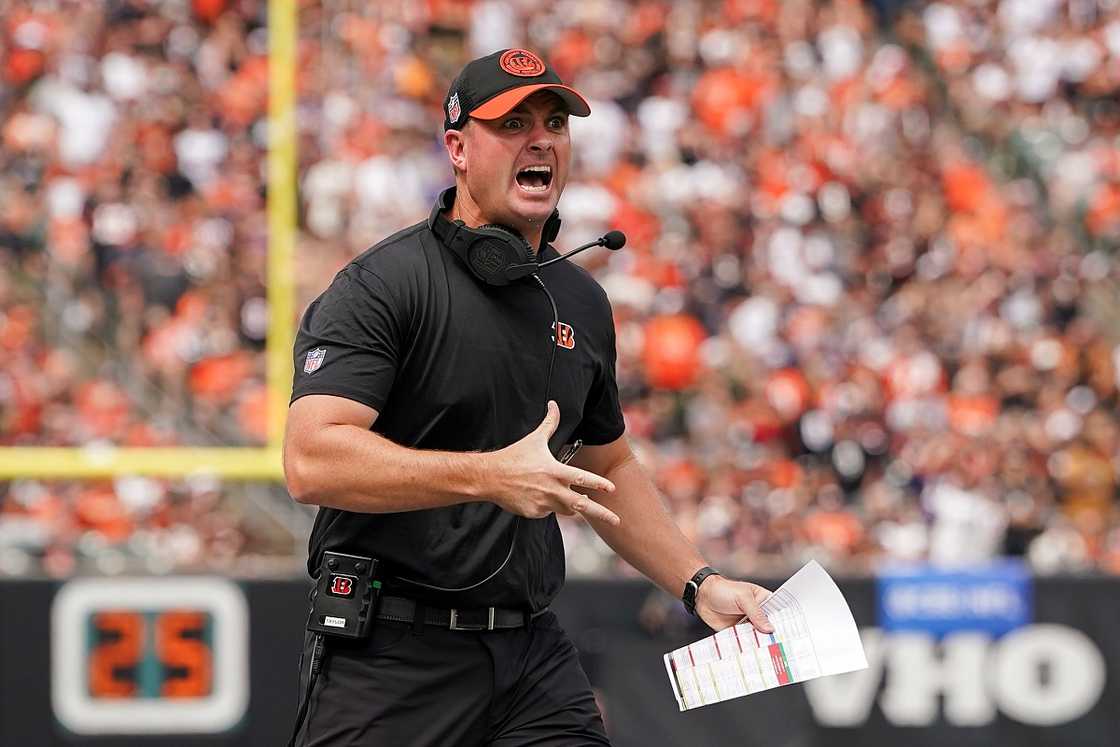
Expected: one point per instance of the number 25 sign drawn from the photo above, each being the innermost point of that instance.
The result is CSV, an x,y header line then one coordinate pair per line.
x,y
146,656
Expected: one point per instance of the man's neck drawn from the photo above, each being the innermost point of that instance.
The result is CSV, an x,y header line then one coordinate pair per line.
x,y
466,210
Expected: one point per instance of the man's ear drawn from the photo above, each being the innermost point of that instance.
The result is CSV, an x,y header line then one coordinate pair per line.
x,y
456,143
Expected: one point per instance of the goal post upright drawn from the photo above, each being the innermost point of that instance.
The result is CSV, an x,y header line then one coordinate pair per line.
x,y
282,36
255,464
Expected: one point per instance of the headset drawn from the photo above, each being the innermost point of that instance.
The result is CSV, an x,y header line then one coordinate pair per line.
x,y
495,254
498,255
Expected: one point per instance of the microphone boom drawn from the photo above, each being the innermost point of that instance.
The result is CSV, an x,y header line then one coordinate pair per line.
x,y
611,239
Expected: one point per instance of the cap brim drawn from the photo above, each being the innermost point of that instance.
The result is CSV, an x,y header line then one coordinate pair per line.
x,y
506,100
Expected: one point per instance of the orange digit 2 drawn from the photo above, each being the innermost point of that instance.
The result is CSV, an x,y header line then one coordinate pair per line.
x,y
115,659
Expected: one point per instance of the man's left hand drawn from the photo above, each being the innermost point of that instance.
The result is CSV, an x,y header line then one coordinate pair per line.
x,y
721,603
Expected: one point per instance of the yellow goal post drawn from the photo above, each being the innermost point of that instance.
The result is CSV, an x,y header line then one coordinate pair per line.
x,y
257,464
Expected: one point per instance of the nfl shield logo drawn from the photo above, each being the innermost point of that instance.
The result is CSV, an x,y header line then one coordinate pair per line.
x,y
314,360
453,110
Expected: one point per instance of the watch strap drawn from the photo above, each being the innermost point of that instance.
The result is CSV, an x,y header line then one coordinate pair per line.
x,y
692,587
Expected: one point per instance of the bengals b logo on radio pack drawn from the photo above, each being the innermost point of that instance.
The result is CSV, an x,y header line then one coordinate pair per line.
x,y
342,585
345,597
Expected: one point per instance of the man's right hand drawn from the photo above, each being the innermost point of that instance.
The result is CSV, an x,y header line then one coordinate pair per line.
x,y
530,482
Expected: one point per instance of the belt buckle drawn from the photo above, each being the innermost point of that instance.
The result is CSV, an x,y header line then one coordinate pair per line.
x,y
456,625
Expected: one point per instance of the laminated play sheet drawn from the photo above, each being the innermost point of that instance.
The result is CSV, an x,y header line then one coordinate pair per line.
x,y
814,635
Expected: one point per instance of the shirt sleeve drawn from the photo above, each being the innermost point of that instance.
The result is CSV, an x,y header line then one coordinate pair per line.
x,y
351,340
602,420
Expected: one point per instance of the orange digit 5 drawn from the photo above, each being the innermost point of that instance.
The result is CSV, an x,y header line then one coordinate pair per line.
x,y
185,657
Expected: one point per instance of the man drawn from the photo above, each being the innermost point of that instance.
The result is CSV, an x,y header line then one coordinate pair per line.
x,y
416,426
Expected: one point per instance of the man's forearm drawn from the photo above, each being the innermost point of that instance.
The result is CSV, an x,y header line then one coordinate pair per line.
x,y
647,537
355,469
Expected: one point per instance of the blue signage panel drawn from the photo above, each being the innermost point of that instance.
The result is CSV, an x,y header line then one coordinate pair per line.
x,y
993,599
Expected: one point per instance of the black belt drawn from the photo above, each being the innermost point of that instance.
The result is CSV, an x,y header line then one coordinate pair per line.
x,y
400,609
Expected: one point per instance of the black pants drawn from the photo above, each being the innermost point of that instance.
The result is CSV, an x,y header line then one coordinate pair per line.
x,y
444,688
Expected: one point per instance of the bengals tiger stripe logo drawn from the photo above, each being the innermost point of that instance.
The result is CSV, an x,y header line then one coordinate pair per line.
x,y
566,336
521,62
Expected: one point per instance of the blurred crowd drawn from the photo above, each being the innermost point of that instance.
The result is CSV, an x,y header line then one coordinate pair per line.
x,y
866,312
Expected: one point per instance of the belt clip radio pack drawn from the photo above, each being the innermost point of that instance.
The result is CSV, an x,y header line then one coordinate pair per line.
x,y
345,598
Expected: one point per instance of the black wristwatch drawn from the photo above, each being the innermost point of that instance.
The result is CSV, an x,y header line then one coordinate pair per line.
x,y
692,587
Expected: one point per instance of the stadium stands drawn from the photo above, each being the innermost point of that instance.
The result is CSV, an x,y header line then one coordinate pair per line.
x,y
867,311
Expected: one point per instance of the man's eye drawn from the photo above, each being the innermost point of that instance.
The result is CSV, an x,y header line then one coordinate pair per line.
x,y
512,124
557,123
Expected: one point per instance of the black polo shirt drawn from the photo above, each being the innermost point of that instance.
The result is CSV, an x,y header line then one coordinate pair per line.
x,y
451,363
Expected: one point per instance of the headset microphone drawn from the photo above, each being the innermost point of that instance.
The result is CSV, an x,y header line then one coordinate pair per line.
x,y
614,239
611,239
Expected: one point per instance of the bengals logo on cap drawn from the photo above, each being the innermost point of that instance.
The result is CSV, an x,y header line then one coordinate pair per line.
x,y
521,62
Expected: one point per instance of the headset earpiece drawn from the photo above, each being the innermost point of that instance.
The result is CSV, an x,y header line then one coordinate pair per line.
x,y
492,250
495,254
551,227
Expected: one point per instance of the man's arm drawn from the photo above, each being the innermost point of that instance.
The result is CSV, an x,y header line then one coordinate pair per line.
x,y
649,539
332,459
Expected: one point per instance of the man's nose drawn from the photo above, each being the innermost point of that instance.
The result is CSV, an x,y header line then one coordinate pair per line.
x,y
540,139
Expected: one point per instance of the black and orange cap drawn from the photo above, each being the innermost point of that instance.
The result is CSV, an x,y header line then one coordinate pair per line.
x,y
490,86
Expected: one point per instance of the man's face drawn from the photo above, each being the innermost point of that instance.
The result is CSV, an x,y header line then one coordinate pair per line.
x,y
516,166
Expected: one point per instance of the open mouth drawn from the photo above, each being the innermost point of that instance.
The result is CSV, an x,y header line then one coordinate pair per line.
x,y
535,178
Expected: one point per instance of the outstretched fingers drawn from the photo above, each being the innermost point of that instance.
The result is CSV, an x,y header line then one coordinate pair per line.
x,y
589,509
585,479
